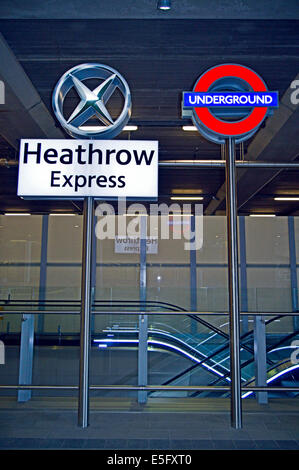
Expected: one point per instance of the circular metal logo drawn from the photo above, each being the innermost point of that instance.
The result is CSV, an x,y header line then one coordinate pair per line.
x,y
92,102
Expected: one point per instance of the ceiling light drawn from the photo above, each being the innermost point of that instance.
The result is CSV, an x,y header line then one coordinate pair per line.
x,y
183,214
286,198
17,213
262,215
189,128
130,128
140,214
61,215
99,128
164,5
186,198
188,192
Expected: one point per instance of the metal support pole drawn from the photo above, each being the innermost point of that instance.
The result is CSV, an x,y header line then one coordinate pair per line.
x,y
26,356
243,273
83,404
143,319
93,273
260,358
233,284
193,279
293,271
43,269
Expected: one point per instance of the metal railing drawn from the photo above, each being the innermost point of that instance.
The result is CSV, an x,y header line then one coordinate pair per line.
x,y
149,388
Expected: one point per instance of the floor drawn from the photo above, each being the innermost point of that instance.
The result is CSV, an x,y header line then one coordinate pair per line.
x,y
161,424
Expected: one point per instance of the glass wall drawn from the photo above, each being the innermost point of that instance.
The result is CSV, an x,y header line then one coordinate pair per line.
x,y
40,261
20,252
267,255
268,264
63,269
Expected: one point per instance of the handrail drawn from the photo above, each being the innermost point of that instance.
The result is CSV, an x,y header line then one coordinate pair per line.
x,y
192,315
155,312
109,303
171,342
222,348
246,363
150,388
197,389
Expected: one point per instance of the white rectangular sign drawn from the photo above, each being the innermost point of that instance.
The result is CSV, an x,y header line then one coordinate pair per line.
x,y
79,168
132,245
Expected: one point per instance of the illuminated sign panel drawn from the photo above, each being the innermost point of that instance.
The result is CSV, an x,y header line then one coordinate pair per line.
x,y
80,168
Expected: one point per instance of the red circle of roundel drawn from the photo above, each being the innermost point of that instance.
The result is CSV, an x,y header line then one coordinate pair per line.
x,y
230,128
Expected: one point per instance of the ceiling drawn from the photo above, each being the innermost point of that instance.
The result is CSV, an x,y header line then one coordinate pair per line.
x,y
160,57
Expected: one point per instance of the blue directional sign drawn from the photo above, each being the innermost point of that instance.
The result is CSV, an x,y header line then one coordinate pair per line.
x,y
231,99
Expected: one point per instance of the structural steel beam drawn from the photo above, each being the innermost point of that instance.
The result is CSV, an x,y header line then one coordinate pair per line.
x,y
23,114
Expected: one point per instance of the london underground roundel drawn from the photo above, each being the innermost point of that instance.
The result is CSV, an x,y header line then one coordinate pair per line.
x,y
229,100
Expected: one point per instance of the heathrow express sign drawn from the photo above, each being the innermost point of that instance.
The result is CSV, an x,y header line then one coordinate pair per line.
x,y
91,166
80,168
229,100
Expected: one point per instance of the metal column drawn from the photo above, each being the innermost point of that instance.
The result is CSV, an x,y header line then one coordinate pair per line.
x,y
143,319
93,272
233,284
243,273
43,269
260,358
26,356
293,270
193,278
88,226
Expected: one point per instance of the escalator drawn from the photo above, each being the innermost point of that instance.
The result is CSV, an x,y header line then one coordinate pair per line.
x,y
204,345
158,340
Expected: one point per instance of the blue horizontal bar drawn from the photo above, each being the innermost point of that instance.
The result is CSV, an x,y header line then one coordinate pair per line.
x,y
254,99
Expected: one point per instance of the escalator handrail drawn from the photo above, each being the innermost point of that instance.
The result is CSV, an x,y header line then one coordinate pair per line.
x,y
249,361
244,364
163,305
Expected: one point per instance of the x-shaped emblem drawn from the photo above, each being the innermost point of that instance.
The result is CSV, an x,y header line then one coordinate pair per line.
x,y
92,102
